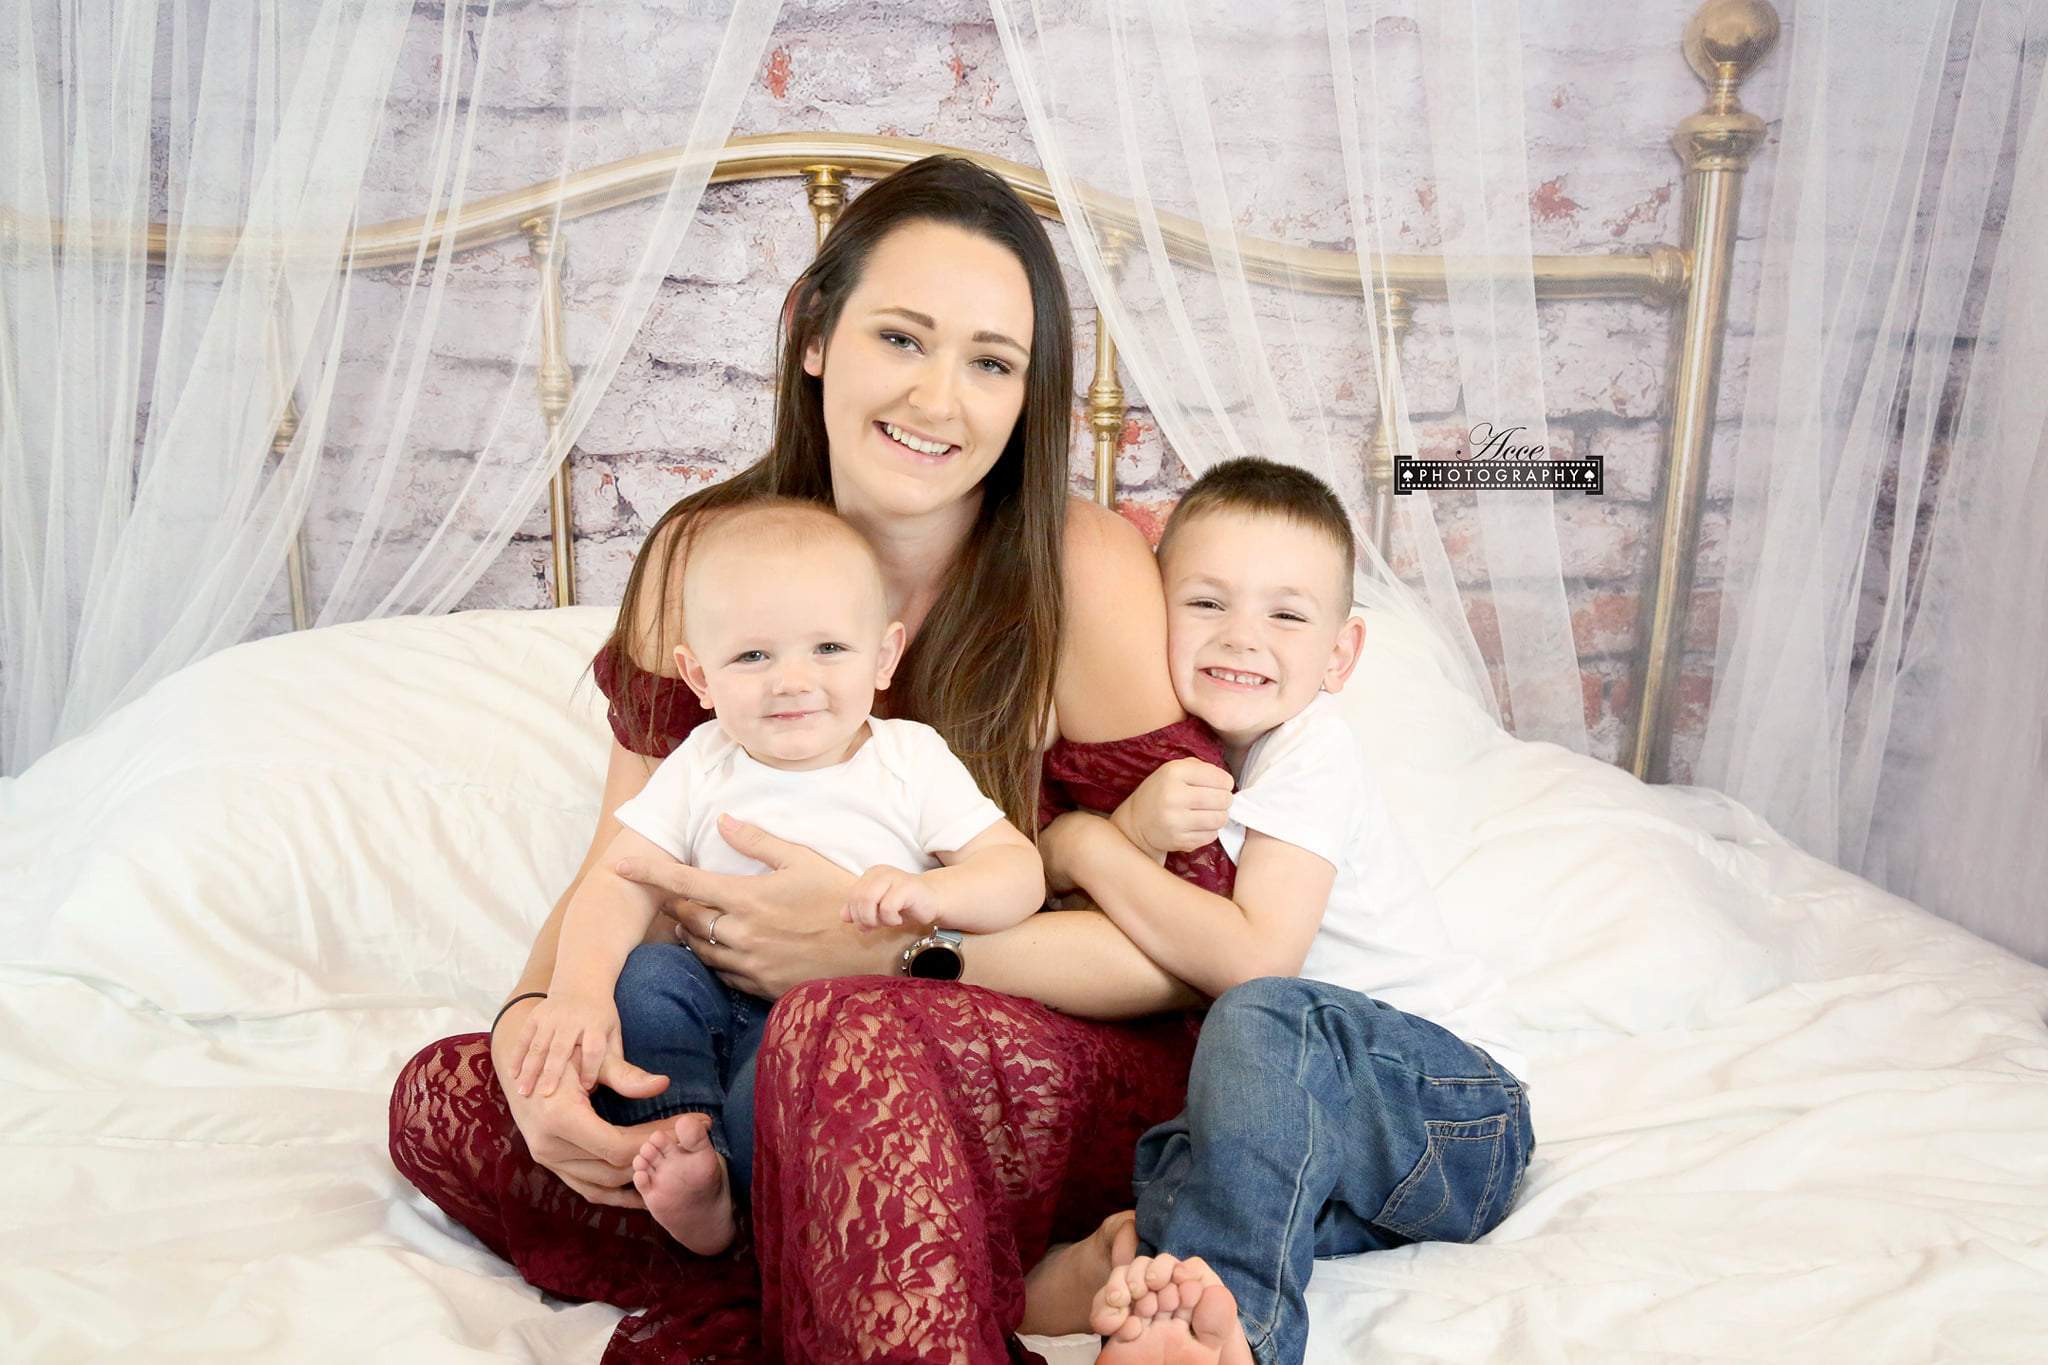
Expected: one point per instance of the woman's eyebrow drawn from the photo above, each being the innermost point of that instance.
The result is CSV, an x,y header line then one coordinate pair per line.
x,y
984,338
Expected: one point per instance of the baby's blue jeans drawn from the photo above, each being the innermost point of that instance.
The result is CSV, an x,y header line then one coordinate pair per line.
x,y
1321,1122
677,1019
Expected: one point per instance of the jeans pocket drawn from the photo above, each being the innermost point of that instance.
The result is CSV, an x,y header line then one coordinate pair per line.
x,y
1451,1193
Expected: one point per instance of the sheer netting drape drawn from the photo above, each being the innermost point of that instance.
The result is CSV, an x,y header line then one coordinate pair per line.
x,y
144,516
1881,680
1882,670
1314,125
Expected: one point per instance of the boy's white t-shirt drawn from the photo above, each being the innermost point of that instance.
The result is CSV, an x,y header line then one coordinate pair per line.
x,y
903,797
1304,783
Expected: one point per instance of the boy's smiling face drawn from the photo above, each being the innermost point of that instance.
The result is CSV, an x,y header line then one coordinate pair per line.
x,y
1257,621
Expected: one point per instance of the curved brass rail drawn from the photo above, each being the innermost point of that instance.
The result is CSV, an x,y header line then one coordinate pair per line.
x,y
1658,274
1724,42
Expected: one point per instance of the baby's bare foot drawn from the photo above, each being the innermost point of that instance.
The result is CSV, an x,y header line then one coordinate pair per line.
x,y
1159,1310
1061,1288
682,1178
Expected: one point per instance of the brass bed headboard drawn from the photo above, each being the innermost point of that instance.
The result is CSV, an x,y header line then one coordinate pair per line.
x,y
1723,42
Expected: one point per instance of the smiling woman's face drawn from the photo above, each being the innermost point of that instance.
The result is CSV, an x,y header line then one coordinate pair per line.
x,y
924,372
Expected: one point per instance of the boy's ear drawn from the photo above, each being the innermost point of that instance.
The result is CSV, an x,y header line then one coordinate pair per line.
x,y
1344,654
693,674
889,655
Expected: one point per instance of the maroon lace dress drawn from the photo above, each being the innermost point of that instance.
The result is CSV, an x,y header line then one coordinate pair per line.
x,y
918,1143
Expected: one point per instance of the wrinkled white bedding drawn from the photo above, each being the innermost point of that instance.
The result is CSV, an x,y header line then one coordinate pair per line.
x,y
1782,1114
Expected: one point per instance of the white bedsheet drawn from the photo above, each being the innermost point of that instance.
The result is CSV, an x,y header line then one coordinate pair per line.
x,y
1782,1115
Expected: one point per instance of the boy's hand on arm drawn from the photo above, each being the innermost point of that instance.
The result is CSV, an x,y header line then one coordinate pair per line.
x,y
1181,807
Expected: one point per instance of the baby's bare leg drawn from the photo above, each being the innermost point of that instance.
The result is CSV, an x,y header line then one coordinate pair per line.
x,y
682,1178
1061,1288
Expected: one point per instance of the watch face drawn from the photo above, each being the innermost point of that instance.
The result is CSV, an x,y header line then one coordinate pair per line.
x,y
936,962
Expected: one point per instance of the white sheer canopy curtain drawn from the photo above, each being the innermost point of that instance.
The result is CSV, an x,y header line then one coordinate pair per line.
x,y
1315,124
1881,691
1881,681
144,515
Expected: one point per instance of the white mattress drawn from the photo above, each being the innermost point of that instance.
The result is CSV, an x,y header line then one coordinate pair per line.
x,y
1782,1115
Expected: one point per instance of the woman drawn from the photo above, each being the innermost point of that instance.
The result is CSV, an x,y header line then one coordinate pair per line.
x,y
913,1136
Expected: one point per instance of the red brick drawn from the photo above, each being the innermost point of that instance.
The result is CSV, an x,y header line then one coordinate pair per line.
x,y
776,76
1604,623
1148,517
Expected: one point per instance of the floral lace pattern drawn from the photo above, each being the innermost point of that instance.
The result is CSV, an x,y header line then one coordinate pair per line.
x,y
918,1145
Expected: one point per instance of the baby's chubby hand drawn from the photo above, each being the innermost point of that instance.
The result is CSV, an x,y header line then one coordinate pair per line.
x,y
561,1026
887,895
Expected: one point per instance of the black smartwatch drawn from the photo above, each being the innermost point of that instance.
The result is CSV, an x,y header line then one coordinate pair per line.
x,y
936,956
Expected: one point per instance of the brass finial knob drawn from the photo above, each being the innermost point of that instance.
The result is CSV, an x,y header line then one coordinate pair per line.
x,y
1727,38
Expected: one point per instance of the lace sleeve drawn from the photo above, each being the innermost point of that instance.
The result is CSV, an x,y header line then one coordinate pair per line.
x,y
649,713
1099,776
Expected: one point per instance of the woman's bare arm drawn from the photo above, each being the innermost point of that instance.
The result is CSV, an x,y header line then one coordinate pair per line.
x,y
1112,684
625,774
1112,680
1077,962
659,620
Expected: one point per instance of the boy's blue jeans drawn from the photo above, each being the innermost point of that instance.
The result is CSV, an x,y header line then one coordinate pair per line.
x,y
677,1019
1321,1123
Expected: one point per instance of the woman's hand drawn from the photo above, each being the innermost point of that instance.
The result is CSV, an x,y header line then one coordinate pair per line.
x,y
772,931
562,1131
1181,807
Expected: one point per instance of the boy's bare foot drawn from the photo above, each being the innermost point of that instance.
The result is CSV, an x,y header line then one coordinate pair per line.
x,y
1060,1289
682,1178
1159,1310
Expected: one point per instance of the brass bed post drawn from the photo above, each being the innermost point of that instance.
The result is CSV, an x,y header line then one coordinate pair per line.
x,y
556,384
1723,43
280,442
1395,315
295,552
825,189
1106,410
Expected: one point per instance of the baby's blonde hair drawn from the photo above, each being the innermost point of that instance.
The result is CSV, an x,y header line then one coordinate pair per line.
x,y
768,525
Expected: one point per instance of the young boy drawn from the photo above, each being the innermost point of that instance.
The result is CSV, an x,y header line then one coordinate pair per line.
x,y
787,638
1351,1090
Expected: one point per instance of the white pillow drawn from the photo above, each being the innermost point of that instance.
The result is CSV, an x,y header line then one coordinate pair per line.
x,y
1602,903
381,811
385,811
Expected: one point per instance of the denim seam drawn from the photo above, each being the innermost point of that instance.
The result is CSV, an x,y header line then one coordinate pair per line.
x,y
1432,1158
1492,1179
1519,1119
1271,1319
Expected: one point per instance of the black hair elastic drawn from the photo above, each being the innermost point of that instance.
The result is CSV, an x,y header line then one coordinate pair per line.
x,y
530,995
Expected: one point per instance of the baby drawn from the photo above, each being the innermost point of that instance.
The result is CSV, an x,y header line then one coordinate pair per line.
x,y
787,638
1352,1089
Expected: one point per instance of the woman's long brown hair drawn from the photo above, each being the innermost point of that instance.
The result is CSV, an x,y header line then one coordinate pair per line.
x,y
980,671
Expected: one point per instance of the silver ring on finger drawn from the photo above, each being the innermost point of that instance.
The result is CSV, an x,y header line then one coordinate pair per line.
x,y
711,929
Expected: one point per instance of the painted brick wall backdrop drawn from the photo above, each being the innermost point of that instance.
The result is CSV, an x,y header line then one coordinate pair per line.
x,y
691,403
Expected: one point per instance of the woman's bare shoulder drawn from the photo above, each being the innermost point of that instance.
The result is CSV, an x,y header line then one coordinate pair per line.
x,y
1112,678
1099,541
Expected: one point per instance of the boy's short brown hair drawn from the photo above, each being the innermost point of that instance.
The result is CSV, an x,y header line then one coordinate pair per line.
x,y
1268,488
